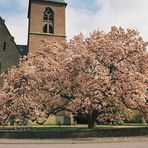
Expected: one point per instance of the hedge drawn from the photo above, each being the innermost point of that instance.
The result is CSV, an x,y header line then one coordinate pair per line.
x,y
84,133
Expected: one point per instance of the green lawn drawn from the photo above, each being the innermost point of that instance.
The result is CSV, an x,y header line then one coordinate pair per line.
x,y
65,128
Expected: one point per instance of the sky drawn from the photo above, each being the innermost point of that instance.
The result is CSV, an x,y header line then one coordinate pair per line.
x,y
83,16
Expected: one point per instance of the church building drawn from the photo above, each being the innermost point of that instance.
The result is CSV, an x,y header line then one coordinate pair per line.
x,y
46,22
9,52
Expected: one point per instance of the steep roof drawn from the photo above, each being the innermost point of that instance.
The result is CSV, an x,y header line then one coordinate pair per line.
x,y
3,22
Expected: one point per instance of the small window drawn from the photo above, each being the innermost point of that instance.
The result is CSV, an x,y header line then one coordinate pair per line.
x,y
48,14
50,29
45,29
4,46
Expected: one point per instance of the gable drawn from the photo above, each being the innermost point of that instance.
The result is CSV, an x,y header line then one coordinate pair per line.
x,y
5,34
9,53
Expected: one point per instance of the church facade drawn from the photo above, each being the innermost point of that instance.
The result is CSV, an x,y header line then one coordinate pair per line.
x,y
46,22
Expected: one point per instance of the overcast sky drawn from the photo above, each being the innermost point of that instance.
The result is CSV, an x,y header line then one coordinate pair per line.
x,y
82,16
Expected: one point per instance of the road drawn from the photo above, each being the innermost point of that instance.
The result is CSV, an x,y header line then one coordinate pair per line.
x,y
91,145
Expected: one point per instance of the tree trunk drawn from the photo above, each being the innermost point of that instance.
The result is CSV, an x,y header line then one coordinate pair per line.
x,y
91,124
91,120
142,117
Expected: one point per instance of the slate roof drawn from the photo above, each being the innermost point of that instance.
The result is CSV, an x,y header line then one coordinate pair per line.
x,y
54,1
23,49
57,1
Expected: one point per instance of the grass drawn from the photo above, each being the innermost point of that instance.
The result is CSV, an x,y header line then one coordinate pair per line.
x,y
44,128
66,128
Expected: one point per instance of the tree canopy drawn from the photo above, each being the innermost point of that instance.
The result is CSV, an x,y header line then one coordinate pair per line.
x,y
106,73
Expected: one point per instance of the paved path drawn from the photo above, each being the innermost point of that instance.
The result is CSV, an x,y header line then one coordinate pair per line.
x,y
112,142
76,140
92,145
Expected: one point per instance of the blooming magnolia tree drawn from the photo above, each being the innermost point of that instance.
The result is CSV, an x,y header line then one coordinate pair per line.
x,y
106,73
31,91
110,72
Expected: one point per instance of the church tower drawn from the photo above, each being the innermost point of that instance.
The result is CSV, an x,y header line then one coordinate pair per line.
x,y
46,22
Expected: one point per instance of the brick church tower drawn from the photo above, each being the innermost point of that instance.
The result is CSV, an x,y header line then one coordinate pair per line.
x,y
46,22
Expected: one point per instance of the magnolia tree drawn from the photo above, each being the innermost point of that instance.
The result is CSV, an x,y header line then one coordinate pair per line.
x,y
110,72
31,91
104,74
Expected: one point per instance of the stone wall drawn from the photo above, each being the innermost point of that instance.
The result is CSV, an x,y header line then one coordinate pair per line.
x,y
9,54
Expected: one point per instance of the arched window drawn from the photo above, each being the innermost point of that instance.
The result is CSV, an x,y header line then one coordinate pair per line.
x,y
48,17
45,28
50,29
48,14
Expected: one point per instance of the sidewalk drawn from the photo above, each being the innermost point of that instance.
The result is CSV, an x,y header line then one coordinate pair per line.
x,y
74,141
